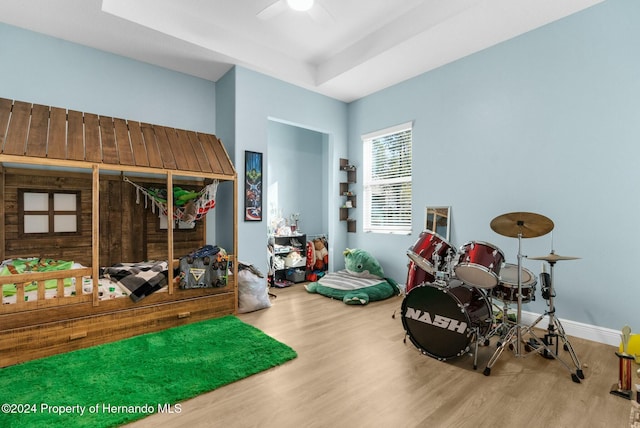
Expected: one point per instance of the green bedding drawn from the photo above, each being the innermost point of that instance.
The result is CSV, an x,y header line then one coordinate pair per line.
x,y
18,266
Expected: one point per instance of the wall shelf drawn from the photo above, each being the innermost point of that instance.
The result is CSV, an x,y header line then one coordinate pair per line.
x,y
349,198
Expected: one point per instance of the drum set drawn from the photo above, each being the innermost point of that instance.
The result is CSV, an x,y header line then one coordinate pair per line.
x,y
459,298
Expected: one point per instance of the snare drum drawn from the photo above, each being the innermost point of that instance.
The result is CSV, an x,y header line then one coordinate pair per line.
x,y
479,264
430,252
507,290
442,321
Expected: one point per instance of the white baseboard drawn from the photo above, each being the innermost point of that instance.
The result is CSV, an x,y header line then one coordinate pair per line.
x,y
577,329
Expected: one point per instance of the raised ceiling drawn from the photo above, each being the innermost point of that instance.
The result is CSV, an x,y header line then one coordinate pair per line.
x,y
345,49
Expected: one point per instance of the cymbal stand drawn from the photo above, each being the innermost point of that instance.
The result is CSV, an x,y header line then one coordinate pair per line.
x,y
555,330
516,332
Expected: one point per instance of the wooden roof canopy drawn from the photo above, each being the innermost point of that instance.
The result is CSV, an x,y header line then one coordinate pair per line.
x,y
37,134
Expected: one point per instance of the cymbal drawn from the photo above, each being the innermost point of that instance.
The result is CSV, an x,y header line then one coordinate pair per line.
x,y
551,257
526,225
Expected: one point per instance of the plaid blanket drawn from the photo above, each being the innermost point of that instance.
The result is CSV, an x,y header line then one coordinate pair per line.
x,y
141,279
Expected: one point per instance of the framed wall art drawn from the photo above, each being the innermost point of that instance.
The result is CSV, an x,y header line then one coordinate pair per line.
x,y
252,186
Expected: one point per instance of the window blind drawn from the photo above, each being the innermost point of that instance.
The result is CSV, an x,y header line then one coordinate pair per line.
x,y
387,180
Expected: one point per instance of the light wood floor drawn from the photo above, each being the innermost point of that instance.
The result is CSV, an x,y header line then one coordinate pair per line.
x,y
353,370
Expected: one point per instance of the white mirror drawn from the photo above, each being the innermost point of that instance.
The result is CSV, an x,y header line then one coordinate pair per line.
x,y
437,220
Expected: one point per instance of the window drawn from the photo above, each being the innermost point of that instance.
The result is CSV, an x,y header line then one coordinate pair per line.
x,y
49,212
178,225
387,180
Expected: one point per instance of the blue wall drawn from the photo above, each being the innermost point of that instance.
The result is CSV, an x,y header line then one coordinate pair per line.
x,y
296,176
544,123
225,131
258,101
44,70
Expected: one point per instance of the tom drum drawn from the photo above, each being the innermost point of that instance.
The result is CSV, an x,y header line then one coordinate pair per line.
x,y
430,252
479,264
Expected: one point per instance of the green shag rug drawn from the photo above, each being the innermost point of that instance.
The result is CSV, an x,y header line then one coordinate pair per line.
x,y
115,383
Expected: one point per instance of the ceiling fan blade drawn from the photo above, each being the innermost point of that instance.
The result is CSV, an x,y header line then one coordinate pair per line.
x,y
274,9
320,14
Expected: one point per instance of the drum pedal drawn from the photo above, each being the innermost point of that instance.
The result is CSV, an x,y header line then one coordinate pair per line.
x,y
548,341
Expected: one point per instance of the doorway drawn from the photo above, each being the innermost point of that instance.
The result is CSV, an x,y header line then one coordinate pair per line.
x,y
297,181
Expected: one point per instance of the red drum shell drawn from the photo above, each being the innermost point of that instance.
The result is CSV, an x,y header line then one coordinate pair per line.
x,y
479,264
417,276
428,245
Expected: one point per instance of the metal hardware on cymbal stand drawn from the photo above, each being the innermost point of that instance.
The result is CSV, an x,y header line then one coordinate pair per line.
x,y
517,225
503,328
515,332
501,324
555,329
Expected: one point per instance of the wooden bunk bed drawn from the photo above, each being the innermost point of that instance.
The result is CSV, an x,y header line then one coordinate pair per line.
x,y
52,149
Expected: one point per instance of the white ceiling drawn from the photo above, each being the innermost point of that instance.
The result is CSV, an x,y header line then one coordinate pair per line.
x,y
345,49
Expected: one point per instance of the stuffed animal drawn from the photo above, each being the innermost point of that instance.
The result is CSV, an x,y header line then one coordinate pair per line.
x,y
322,255
362,281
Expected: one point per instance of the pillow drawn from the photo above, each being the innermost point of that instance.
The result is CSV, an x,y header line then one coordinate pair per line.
x,y
252,292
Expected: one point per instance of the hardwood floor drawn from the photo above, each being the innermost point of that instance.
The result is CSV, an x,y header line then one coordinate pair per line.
x,y
353,370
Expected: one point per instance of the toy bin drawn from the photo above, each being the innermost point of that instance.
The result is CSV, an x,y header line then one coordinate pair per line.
x,y
295,275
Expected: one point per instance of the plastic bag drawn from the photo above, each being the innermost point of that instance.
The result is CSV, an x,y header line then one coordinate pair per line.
x,y
253,292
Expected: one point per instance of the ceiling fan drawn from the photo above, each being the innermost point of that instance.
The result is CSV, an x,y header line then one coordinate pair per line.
x,y
314,8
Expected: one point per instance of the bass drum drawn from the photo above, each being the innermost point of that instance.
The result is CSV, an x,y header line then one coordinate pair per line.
x,y
441,321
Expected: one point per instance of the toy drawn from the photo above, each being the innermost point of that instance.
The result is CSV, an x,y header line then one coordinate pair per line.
x,y
362,281
321,261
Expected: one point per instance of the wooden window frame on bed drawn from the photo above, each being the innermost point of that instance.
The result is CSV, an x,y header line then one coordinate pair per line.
x,y
178,226
51,212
